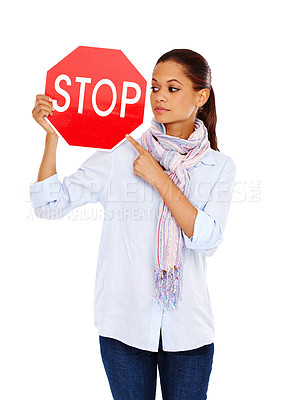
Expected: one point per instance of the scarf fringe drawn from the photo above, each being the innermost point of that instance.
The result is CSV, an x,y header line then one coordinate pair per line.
x,y
168,287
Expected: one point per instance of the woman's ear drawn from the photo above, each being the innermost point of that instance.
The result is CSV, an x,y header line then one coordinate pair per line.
x,y
203,96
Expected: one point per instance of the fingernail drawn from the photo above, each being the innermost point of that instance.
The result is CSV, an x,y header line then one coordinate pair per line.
x,y
50,100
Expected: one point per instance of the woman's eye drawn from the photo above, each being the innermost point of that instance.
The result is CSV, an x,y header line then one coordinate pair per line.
x,y
173,89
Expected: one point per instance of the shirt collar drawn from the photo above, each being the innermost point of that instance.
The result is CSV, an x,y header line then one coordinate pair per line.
x,y
208,159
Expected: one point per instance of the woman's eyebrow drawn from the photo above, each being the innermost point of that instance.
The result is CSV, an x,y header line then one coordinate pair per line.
x,y
170,80
174,80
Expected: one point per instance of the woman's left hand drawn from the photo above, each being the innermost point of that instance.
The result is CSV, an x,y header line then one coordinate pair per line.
x,y
145,164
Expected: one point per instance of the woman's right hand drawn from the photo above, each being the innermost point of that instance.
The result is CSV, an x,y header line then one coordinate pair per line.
x,y
43,108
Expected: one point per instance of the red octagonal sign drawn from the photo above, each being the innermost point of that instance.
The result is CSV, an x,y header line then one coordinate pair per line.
x,y
98,97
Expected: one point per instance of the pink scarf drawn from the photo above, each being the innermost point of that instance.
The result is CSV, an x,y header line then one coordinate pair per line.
x,y
176,156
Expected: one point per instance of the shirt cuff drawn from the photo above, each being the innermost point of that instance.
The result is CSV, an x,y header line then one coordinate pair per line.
x,y
207,233
45,191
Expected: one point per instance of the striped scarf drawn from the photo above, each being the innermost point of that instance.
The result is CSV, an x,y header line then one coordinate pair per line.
x,y
175,155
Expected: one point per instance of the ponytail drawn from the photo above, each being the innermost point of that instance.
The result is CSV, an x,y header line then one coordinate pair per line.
x,y
207,113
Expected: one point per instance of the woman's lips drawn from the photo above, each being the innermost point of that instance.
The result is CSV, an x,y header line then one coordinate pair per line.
x,y
161,109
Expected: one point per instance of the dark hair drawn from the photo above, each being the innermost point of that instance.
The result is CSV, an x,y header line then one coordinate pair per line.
x,y
198,71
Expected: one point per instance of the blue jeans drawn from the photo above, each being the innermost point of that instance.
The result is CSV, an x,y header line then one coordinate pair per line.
x,y
132,372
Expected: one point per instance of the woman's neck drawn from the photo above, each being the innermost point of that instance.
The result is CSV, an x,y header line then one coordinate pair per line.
x,y
183,130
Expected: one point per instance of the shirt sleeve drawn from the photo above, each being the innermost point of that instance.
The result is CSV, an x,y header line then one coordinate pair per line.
x,y
52,199
211,220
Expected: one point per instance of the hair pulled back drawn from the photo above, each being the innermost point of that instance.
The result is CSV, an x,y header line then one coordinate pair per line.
x,y
198,71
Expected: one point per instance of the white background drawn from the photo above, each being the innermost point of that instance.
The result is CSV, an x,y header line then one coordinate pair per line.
x,y
49,347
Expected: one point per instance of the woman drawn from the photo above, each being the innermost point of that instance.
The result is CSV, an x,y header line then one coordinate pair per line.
x,y
166,198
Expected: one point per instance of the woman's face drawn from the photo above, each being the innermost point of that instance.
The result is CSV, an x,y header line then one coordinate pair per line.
x,y
173,99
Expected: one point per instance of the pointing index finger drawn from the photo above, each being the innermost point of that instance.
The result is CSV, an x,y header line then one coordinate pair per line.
x,y
135,144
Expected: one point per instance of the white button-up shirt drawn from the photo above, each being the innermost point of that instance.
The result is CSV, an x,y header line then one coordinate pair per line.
x,y
124,308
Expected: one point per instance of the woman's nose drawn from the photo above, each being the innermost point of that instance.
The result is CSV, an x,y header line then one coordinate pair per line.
x,y
160,97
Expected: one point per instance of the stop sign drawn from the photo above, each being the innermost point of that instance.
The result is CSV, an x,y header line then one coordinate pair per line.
x,y
98,97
